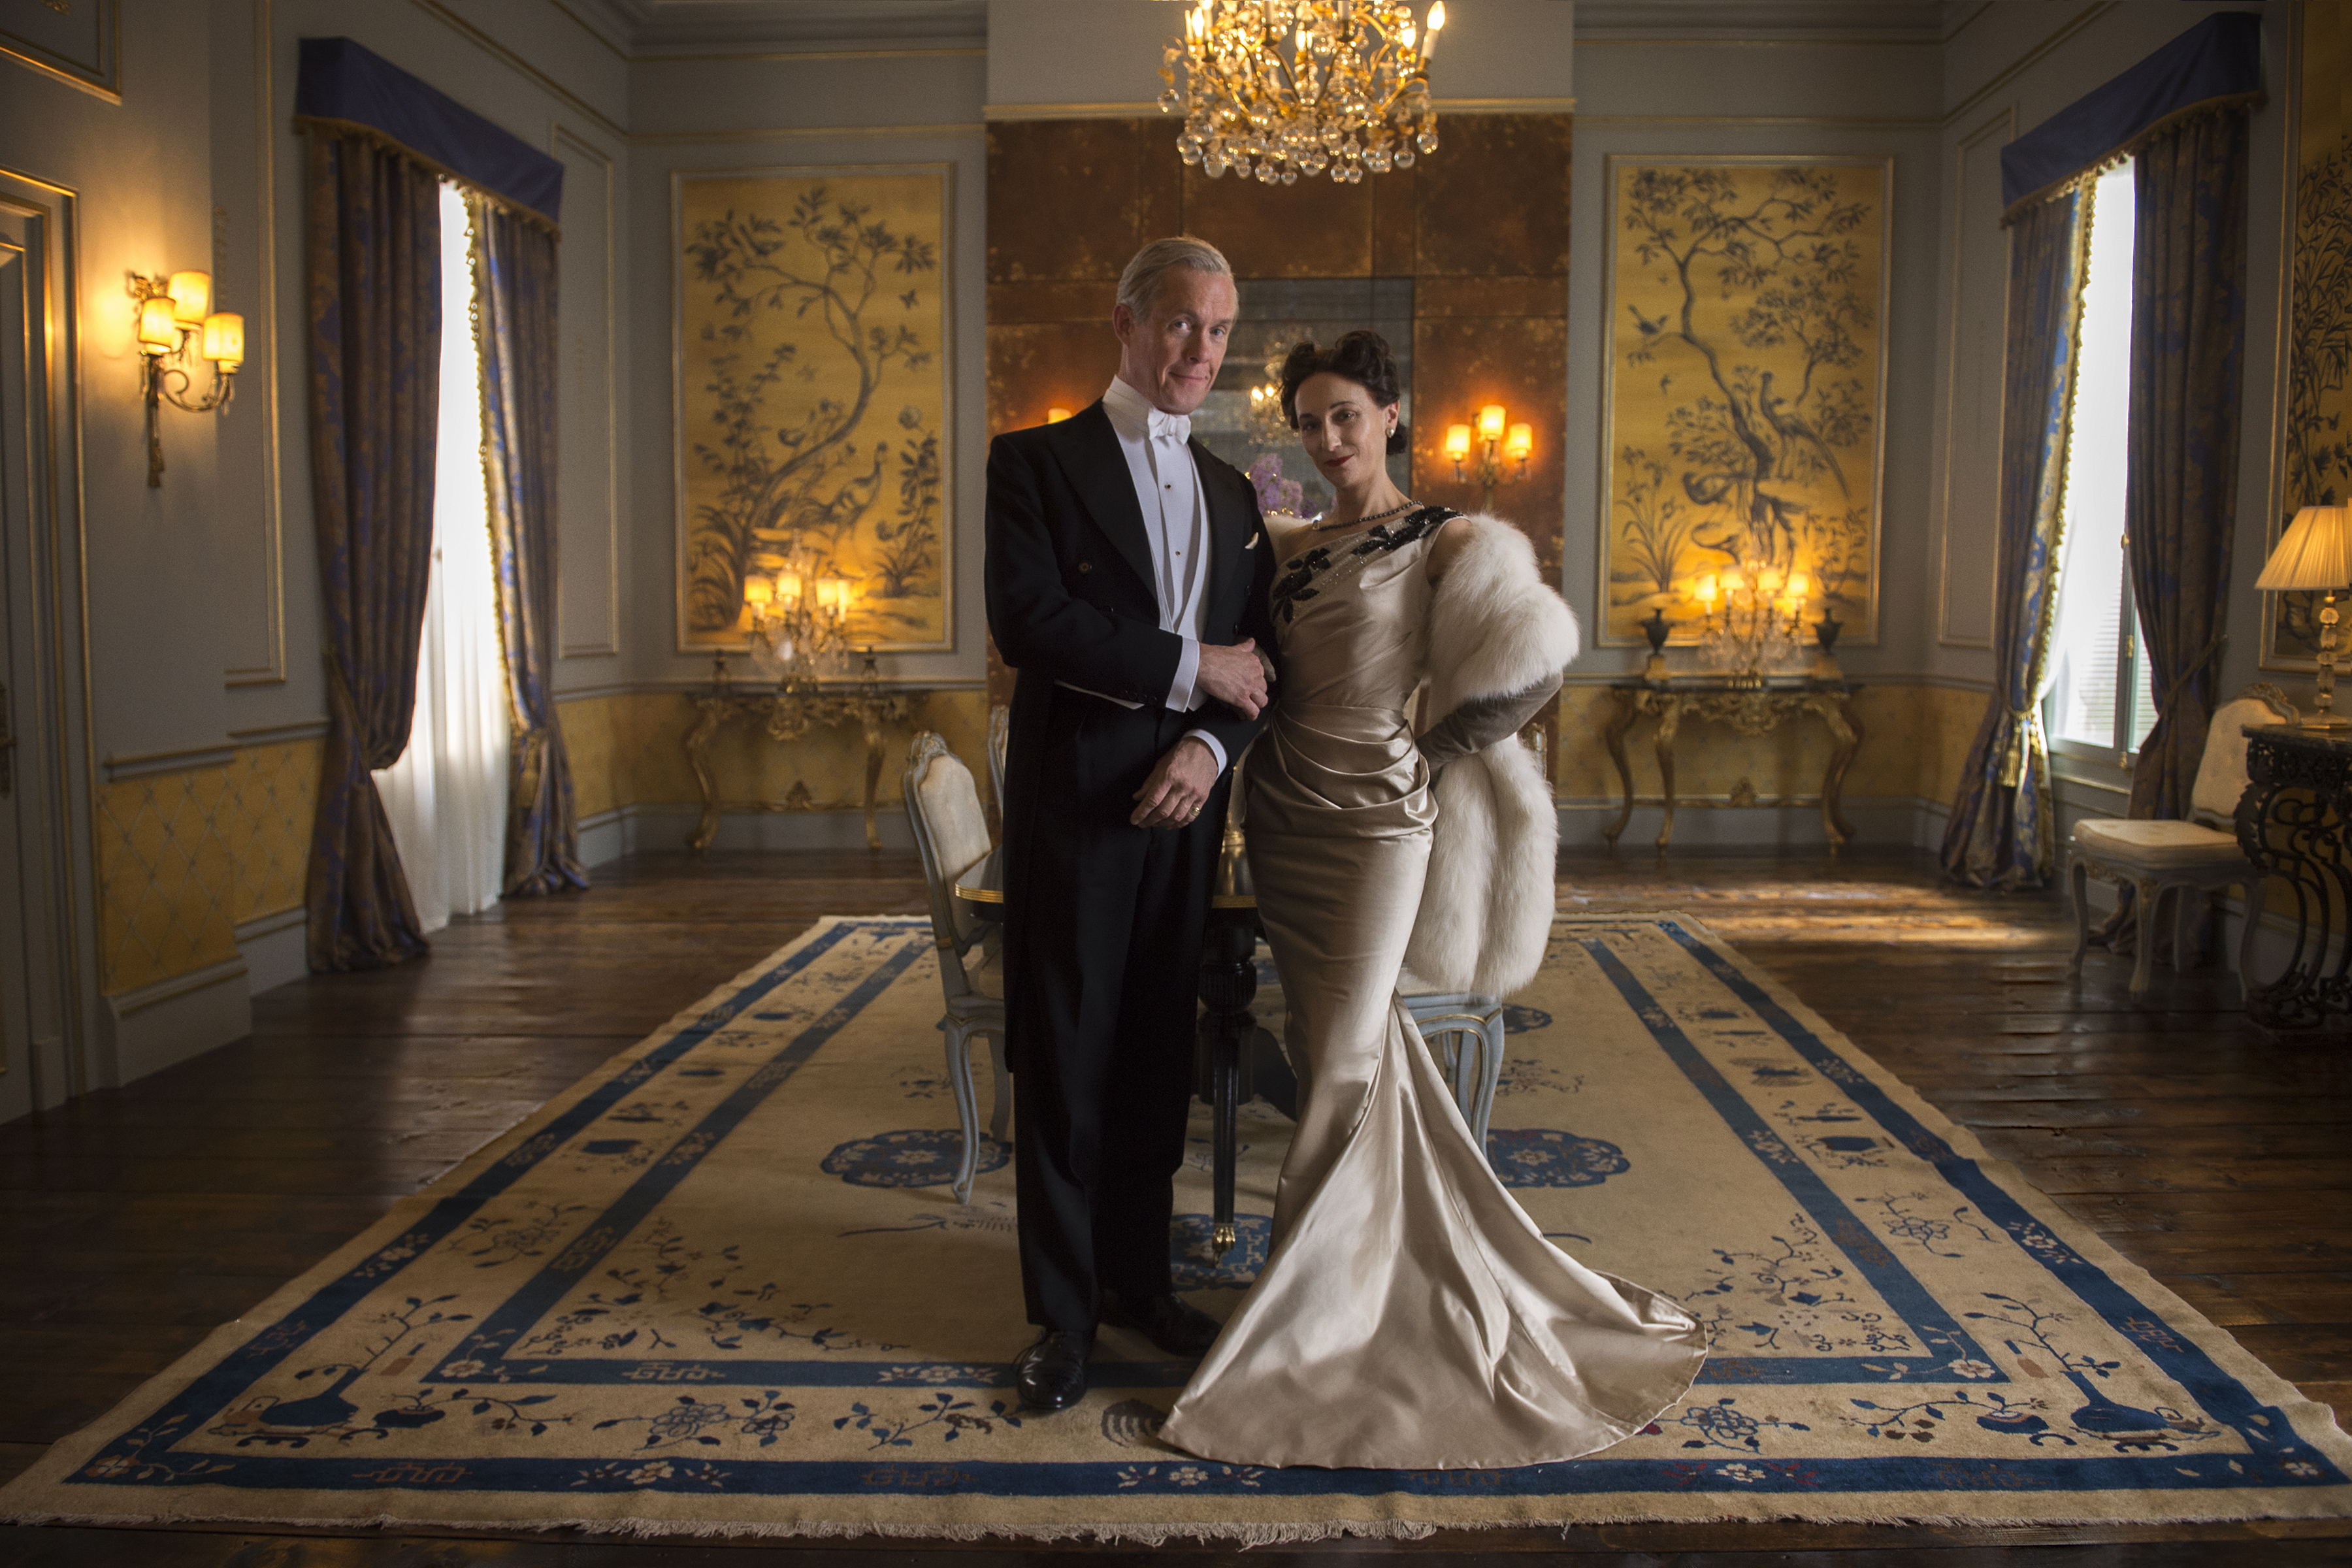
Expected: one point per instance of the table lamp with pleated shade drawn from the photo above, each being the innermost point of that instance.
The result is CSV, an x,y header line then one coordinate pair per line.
x,y
2315,554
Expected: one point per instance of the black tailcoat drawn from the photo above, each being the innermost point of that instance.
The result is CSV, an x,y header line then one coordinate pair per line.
x,y
1104,920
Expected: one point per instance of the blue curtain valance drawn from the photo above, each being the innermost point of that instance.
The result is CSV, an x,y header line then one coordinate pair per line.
x,y
2215,64
346,84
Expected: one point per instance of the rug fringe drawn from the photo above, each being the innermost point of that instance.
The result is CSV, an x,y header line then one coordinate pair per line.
x,y
1244,1535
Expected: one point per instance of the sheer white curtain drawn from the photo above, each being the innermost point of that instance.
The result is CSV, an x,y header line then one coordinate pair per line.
x,y
446,795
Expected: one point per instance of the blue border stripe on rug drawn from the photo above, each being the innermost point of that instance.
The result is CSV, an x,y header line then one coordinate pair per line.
x,y
1897,1285
236,1370
541,1294
2218,1394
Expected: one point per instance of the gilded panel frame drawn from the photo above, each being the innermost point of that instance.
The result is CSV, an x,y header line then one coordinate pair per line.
x,y
919,200
1628,280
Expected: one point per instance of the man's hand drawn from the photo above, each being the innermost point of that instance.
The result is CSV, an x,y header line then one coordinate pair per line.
x,y
1234,675
1180,785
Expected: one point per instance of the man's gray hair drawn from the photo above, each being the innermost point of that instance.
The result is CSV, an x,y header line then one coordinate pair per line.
x,y
1139,284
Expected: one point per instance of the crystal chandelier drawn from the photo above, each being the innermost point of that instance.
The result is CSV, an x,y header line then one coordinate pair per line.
x,y
1277,89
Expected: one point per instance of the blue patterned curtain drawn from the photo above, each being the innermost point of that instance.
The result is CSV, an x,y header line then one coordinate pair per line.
x,y
515,283
375,359
2001,833
2189,339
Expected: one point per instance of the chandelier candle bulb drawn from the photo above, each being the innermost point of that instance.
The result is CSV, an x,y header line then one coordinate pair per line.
x,y
1428,35
1490,421
1522,443
757,593
192,297
1457,441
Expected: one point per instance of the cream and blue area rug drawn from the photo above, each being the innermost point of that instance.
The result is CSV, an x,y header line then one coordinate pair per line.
x,y
721,1285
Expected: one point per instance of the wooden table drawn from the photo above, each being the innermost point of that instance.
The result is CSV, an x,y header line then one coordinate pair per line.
x,y
2292,823
1752,709
787,713
1229,1059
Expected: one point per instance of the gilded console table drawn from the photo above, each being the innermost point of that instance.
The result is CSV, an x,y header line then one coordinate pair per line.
x,y
2292,823
1752,709
787,713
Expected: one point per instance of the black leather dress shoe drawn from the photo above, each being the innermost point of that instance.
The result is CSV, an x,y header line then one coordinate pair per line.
x,y
1052,1373
1170,1321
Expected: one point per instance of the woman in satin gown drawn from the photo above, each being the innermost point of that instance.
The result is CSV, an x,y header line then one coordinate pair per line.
x,y
1410,1315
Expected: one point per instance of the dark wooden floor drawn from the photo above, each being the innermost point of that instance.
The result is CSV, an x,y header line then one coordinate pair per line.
x,y
133,1222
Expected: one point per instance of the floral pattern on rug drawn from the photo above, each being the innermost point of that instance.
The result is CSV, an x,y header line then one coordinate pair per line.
x,y
722,1283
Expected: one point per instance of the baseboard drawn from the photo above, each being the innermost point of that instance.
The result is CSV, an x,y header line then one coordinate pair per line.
x,y
160,1025
603,836
1904,822
627,829
276,949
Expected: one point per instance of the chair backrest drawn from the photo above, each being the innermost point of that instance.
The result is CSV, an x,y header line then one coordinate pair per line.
x,y
999,734
2221,772
943,810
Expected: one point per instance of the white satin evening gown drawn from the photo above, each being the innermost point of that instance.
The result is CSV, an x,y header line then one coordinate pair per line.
x,y
1410,1315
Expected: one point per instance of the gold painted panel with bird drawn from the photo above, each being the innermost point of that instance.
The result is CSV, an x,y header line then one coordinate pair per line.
x,y
1744,388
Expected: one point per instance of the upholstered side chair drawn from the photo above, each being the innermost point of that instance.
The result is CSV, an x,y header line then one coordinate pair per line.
x,y
943,810
2196,856
999,734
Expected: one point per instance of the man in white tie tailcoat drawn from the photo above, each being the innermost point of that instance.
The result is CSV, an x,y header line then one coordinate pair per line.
x,y
1127,576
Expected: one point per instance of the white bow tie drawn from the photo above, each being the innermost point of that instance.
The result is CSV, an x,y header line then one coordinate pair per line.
x,y
1171,427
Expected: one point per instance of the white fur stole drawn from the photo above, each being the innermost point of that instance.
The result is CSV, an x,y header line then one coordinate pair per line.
x,y
1496,627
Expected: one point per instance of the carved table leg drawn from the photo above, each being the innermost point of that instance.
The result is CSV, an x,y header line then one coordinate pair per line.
x,y
1629,707
715,713
1670,717
2289,831
872,715
1846,730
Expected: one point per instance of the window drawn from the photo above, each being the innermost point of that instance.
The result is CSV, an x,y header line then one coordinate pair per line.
x,y
447,796
2098,700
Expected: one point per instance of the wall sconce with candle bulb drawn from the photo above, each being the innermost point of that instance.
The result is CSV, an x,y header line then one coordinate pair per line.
x,y
176,326
1499,442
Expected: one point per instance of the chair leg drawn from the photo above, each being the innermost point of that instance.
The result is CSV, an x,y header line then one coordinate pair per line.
x,y
967,1111
1002,1111
2149,891
2080,875
1490,1076
2186,904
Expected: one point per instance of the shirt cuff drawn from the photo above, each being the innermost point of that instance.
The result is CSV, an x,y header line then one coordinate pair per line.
x,y
1188,668
1216,750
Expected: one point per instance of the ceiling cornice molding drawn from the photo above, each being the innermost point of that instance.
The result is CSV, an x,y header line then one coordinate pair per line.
x,y
657,29
1918,22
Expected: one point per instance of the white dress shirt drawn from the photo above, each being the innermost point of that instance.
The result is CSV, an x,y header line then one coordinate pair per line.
x,y
1176,532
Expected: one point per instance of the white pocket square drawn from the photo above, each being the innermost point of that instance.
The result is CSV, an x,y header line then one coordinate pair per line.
x,y
1253,540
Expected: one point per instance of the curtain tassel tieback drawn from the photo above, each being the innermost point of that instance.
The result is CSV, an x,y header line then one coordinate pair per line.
x,y
2025,739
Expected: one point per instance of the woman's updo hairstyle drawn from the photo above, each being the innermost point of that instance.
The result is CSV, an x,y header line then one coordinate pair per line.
x,y
1361,356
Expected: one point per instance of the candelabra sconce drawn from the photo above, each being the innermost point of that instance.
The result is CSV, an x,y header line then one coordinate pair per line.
x,y
174,316
800,625
1494,448
1753,614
